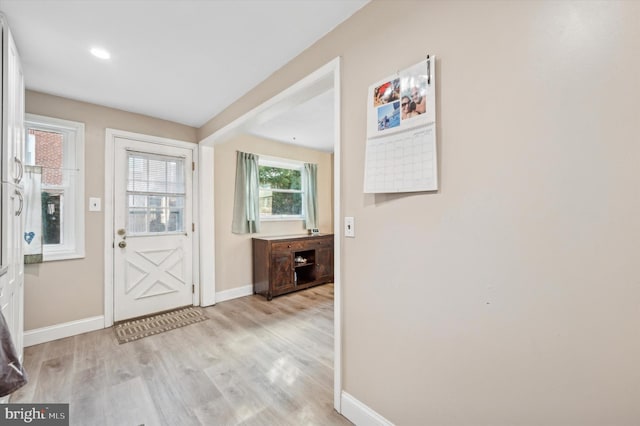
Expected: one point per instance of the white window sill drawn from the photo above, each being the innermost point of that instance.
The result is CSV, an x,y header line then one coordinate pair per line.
x,y
52,257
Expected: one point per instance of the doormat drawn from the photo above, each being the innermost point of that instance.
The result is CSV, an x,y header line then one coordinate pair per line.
x,y
129,331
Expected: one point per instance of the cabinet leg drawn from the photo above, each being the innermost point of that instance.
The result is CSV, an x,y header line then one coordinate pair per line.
x,y
269,297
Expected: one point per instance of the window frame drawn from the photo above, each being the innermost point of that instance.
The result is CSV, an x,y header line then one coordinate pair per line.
x,y
283,163
73,237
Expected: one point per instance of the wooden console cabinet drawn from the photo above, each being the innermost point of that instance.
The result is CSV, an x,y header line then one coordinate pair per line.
x,y
276,270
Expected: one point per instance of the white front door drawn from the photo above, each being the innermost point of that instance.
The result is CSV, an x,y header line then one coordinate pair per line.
x,y
152,228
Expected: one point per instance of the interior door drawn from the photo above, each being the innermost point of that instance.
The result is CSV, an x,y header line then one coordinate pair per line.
x,y
152,228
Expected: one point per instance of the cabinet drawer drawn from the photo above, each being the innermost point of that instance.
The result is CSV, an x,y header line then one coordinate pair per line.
x,y
321,242
289,245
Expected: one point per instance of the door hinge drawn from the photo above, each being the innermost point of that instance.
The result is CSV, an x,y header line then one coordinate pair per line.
x,y
193,166
193,227
193,288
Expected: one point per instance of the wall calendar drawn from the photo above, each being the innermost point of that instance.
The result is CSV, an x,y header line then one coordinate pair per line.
x,y
401,132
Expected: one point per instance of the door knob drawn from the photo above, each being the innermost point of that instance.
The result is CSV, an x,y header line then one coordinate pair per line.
x,y
122,244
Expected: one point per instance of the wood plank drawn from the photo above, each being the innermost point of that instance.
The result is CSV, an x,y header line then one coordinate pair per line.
x,y
131,404
54,380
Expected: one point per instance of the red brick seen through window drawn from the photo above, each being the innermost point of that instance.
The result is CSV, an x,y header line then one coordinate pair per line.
x,y
49,155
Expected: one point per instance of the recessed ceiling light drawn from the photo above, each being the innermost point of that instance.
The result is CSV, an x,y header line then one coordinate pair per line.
x,y
100,53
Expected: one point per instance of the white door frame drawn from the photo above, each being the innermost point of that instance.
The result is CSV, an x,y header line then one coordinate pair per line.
x,y
315,83
109,231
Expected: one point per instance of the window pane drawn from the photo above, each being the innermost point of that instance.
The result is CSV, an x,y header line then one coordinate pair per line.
x,y
156,193
137,201
51,217
137,174
155,201
157,176
280,203
156,219
175,220
151,173
45,149
278,178
137,222
48,154
157,222
176,201
143,220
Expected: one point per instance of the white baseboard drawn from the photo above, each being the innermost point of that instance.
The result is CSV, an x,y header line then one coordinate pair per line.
x,y
59,331
234,293
359,414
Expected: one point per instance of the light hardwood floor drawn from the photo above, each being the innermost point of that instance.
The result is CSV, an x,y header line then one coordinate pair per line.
x,y
252,363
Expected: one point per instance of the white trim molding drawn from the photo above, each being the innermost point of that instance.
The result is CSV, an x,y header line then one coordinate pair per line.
x,y
234,293
334,67
60,331
360,414
207,227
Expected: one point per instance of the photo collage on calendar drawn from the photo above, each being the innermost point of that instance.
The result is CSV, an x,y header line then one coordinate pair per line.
x,y
386,100
400,100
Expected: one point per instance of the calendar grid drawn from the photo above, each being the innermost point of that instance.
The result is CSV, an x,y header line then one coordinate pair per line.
x,y
401,132
402,162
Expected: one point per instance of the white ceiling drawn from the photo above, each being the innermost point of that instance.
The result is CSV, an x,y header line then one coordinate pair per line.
x,y
309,124
179,60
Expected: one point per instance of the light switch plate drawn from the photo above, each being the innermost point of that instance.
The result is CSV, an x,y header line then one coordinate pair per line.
x,y
95,204
349,227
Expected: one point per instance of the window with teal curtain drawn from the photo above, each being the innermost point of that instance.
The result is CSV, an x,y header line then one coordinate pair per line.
x,y
311,195
246,205
281,189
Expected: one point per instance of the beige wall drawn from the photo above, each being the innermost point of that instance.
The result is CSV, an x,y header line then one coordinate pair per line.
x,y
511,295
233,251
68,290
